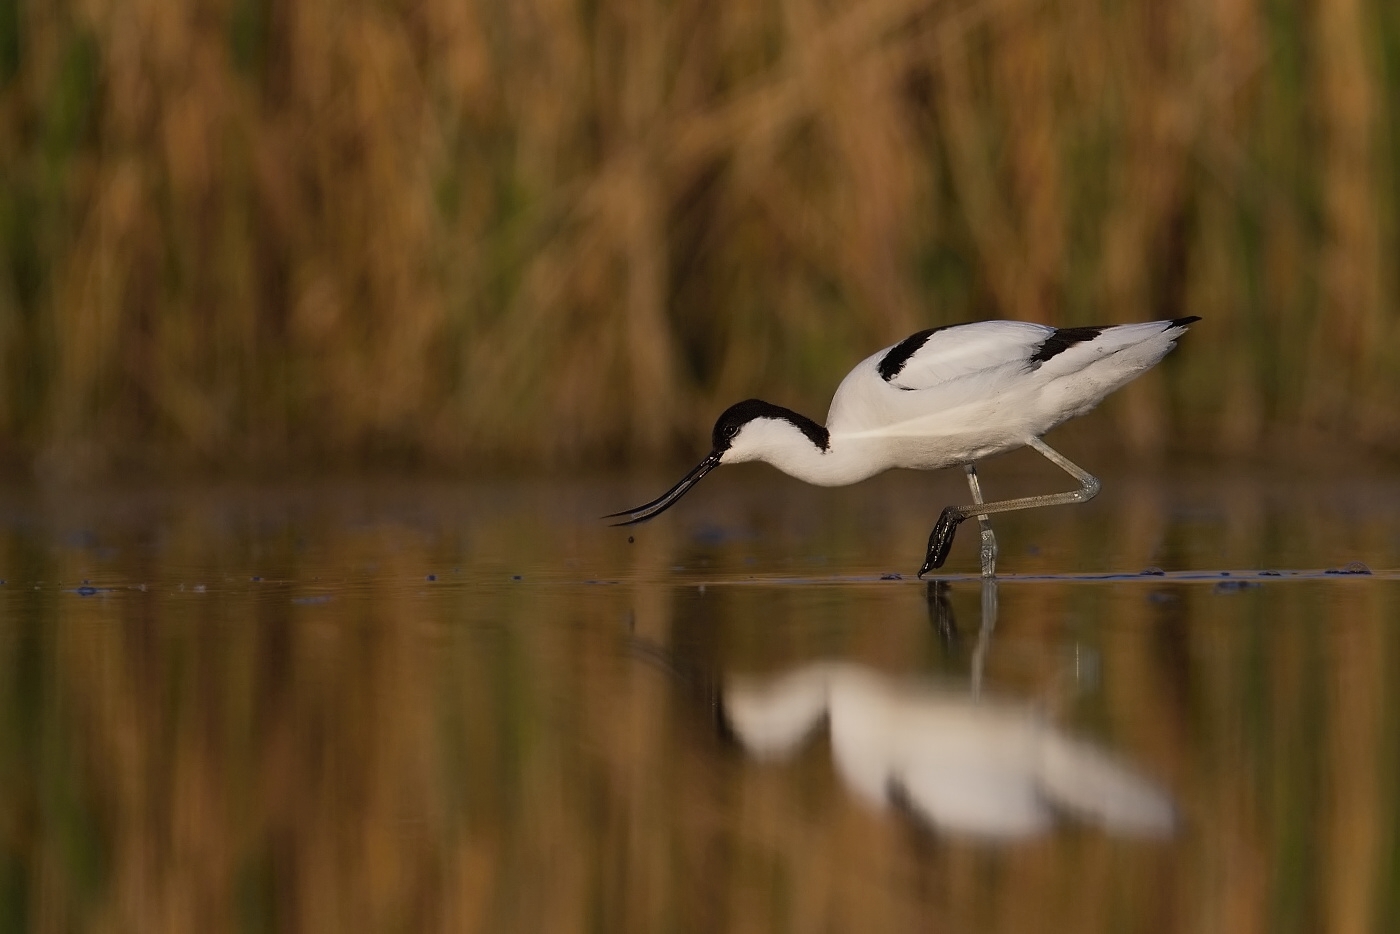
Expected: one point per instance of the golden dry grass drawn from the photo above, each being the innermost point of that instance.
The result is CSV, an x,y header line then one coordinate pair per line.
x,y
239,236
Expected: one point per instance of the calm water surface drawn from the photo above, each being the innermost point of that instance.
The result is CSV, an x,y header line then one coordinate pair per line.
x,y
477,708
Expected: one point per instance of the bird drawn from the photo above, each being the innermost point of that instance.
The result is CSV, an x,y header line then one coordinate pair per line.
x,y
943,397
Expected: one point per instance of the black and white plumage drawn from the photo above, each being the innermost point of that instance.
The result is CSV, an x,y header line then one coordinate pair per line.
x,y
943,397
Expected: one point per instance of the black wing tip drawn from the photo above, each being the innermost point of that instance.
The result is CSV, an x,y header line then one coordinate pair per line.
x,y
1182,322
1062,339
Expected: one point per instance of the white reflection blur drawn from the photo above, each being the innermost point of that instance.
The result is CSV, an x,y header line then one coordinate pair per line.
x,y
982,767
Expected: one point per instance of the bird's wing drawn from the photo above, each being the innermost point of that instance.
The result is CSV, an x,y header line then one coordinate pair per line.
x,y
932,358
940,355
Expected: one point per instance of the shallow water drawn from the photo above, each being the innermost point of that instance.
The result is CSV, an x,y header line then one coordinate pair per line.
x,y
478,708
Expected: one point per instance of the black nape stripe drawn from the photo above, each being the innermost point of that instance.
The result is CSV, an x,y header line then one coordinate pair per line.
x,y
1063,339
741,413
893,362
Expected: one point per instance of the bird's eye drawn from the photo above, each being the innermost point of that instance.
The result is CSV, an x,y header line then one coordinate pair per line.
x,y
731,430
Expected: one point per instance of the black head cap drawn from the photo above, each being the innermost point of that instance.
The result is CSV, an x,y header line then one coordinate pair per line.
x,y
741,413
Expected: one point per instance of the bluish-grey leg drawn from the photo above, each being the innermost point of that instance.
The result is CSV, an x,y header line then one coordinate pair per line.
x,y
989,540
941,539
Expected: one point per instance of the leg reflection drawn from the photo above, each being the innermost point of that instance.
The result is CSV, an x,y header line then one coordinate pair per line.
x,y
984,633
940,614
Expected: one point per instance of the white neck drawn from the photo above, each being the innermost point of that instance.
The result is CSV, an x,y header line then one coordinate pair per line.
x,y
784,445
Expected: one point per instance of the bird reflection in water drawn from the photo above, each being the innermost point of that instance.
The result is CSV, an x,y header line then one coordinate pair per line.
x,y
964,762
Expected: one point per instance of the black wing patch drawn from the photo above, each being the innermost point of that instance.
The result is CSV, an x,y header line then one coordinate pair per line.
x,y
893,362
1063,339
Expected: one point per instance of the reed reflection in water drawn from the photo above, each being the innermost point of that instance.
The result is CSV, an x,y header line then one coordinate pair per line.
x,y
259,713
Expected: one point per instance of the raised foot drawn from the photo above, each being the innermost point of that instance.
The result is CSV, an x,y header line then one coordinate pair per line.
x,y
941,539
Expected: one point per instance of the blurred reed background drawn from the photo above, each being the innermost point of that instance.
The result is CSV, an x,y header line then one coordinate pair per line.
x,y
248,236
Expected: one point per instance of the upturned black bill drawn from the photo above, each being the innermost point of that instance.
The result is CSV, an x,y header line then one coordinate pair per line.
x,y
668,499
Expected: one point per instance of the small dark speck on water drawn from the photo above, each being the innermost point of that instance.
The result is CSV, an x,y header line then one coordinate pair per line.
x,y
1270,573
86,591
1151,572
892,576
516,577
256,578
1234,586
630,540
1356,567
1224,573
432,577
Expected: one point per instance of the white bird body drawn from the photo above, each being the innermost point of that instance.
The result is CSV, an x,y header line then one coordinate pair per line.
x,y
942,397
966,393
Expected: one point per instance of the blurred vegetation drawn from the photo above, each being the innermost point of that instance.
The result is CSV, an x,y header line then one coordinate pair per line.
x,y
244,235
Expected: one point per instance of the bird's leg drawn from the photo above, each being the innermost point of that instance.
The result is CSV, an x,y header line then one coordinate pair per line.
x,y
942,537
989,540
